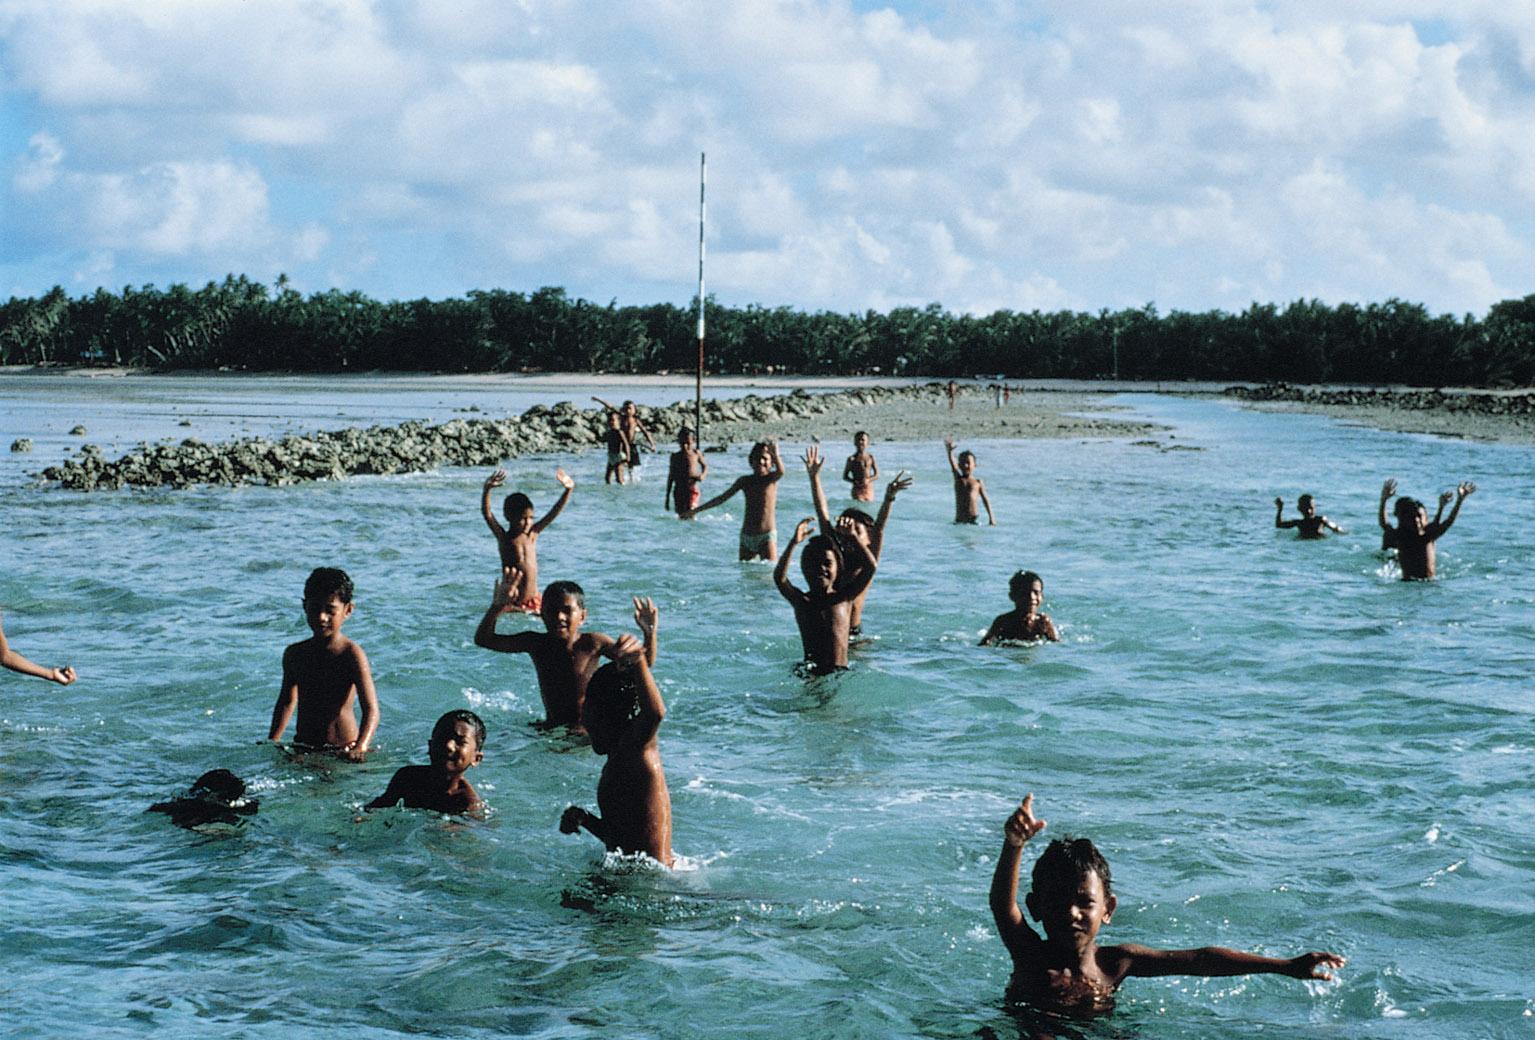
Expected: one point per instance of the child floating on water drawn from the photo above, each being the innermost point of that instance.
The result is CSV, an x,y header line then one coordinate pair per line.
x,y
1414,535
969,491
563,656
15,662
1024,623
1073,897
618,451
458,743
759,523
623,713
218,796
824,610
1309,525
324,675
518,541
688,470
860,469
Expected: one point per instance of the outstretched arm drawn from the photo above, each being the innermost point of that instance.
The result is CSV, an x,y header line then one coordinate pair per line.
x,y
502,601
1460,496
17,663
649,619
814,460
649,440
1335,528
781,573
1219,961
495,480
554,510
720,498
1021,940
877,536
1386,491
948,443
1279,520
775,458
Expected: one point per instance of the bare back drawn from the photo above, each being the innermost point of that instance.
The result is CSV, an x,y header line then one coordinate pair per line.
x,y
635,805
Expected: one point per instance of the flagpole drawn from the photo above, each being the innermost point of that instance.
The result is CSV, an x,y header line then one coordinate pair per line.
x,y
698,390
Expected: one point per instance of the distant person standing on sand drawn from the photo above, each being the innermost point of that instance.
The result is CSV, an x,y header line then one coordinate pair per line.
x,y
16,663
969,490
688,470
1309,525
634,429
759,523
1414,536
953,391
861,470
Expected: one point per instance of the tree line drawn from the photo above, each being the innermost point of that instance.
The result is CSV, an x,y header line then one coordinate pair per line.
x,y
241,324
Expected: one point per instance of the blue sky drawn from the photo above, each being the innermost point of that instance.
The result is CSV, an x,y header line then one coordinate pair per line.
x,y
1191,153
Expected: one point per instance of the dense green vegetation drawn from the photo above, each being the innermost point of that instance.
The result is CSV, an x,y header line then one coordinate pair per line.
x,y
241,324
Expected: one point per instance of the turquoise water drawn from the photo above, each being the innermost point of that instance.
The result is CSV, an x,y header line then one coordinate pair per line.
x,y
1277,745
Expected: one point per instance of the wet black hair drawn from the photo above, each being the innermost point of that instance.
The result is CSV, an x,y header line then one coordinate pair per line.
x,y
854,513
220,784
966,454
516,502
556,589
325,582
612,698
1018,583
1304,499
1405,508
818,543
476,724
1067,860
688,431
860,433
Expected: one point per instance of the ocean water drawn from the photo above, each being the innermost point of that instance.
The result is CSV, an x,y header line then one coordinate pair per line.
x,y
1278,746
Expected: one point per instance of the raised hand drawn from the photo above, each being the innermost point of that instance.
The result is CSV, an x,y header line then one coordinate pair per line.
x,y
1465,489
1445,497
496,479
645,614
564,480
1022,825
948,442
1310,965
802,530
813,460
1278,503
1388,488
625,651
505,596
901,482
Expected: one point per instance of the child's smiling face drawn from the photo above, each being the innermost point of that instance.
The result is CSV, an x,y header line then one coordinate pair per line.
x,y
453,747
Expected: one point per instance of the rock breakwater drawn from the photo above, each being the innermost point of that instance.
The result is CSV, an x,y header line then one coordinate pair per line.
x,y
1471,401
413,447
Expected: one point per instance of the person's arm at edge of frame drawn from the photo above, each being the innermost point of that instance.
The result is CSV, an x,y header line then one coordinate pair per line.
x,y
15,662
1220,962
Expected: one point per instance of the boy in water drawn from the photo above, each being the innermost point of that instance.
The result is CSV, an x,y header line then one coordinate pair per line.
x,y
218,796
1414,536
623,713
688,470
759,534
860,469
1309,525
633,429
824,611
1073,898
458,743
324,675
15,662
1024,623
518,540
618,451
563,656
969,491
853,524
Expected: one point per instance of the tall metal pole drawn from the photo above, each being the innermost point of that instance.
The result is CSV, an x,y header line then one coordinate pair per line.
x,y
698,390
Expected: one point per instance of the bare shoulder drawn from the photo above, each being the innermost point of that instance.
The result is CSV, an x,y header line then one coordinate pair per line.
x,y
593,642
355,653
1116,961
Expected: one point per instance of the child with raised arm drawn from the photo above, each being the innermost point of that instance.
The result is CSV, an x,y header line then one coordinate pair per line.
x,y
688,470
1024,623
457,744
623,713
325,675
633,429
563,656
759,523
860,469
853,524
969,491
518,540
618,451
824,610
1414,535
15,662
1308,525
1072,898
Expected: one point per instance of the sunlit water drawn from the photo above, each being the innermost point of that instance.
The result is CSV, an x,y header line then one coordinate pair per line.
x,y
1278,746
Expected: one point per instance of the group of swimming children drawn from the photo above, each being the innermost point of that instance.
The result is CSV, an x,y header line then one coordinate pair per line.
x,y
602,687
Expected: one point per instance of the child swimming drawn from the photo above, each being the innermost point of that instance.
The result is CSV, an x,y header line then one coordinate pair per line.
x,y
969,491
1309,525
218,796
457,745
324,675
759,522
518,542
623,713
1072,898
1024,623
1414,535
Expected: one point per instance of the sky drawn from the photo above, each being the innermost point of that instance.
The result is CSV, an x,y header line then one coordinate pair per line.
x,y
983,155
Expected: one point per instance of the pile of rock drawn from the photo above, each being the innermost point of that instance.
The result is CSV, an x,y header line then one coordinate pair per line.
x,y
1479,402
416,446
